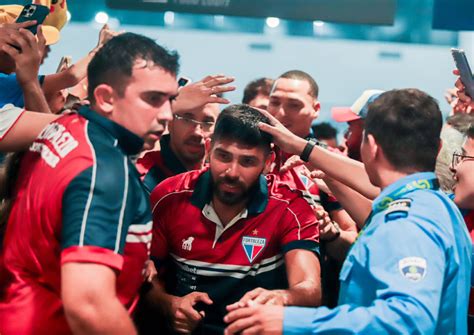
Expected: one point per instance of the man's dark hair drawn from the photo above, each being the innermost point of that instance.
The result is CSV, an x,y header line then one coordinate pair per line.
x,y
239,123
324,131
303,76
258,86
470,132
407,125
113,63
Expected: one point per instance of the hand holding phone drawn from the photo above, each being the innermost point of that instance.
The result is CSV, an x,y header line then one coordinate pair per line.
x,y
464,70
32,12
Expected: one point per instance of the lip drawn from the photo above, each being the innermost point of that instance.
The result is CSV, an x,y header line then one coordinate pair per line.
x,y
229,188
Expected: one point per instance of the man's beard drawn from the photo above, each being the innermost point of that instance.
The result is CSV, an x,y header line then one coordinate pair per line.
x,y
240,195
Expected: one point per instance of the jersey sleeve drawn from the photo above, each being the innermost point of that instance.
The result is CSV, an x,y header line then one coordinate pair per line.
x,y
94,209
9,115
300,229
408,267
159,244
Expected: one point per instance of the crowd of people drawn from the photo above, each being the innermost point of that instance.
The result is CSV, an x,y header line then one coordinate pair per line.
x,y
131,205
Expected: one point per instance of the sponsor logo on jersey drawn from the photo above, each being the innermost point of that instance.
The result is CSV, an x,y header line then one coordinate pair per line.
x,y
253,246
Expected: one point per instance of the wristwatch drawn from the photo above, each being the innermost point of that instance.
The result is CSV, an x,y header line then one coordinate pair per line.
x,y
307,150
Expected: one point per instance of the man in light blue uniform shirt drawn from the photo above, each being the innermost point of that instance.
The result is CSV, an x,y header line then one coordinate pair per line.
x,y
409,270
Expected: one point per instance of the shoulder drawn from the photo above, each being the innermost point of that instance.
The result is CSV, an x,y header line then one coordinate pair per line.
x,y
180,184
283,194
145,163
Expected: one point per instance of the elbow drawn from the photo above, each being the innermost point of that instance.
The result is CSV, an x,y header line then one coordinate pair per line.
x,y
73,76
83,315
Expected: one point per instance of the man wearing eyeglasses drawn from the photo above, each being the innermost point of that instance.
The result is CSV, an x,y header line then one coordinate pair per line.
x,y
463,169
182,149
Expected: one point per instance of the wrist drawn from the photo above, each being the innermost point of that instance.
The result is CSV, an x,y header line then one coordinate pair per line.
x,y
298,145
336,233
307,150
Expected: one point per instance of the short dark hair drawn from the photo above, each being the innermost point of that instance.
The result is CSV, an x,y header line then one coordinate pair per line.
x,y
324,131
258,86
470,132
113,63
239,123
303,76
407,125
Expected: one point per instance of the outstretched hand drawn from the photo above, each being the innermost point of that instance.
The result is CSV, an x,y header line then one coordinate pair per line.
x,y
198,94
282,137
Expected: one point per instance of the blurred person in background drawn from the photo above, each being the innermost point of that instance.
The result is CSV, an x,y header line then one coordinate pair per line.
x,y
257,92
194,114
325,133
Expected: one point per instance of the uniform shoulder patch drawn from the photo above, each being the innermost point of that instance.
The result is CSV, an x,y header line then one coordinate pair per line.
x,y
413,268
398,209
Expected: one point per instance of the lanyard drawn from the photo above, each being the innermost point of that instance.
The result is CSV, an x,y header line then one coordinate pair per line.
x,y
384,203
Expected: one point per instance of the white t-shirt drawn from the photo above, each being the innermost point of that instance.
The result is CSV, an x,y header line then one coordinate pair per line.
x,y
9,114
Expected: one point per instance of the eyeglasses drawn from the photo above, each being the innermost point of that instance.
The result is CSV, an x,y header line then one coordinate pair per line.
x,y
458,157
205,125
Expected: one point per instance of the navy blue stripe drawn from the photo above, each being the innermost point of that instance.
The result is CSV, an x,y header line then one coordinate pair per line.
x,y
104,210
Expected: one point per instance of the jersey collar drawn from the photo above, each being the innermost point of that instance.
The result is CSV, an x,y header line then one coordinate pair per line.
x,y
171,160
128,141
396,190
202,194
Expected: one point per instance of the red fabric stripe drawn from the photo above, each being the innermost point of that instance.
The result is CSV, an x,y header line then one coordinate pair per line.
x,y
92,254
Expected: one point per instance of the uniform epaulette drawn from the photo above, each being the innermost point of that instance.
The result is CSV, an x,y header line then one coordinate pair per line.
x,y
398,209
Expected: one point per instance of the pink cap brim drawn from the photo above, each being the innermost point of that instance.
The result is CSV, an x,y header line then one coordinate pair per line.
x,y
343,114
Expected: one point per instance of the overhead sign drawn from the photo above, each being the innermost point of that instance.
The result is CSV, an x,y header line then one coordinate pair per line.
x,y
453,14
380,12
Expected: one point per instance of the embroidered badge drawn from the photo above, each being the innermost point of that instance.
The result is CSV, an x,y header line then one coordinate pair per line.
x,y
413,268
188,243
253,246
398,209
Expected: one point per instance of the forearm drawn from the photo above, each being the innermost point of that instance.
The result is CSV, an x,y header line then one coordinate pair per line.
x,y
339,248
100,317
305,293
158,299
34,97
355,204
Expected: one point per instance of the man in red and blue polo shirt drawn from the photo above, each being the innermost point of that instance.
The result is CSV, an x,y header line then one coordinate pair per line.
x,y
227,235
79,232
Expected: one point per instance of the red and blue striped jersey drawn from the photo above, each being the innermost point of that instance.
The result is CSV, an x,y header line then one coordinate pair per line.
x,y
78,199
200,254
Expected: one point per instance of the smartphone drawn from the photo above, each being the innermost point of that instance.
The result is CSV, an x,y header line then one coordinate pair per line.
x,y
465,72
33,12
64,63
183,81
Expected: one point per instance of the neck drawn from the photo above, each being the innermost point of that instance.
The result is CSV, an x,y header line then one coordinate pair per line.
x,y
389,176
226,212
189,165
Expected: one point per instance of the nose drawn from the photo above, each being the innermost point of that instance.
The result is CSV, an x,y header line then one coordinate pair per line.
x,y
165,114
232,170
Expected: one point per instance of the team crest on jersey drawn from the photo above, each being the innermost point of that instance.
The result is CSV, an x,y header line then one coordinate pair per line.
x,y
253,246
413,268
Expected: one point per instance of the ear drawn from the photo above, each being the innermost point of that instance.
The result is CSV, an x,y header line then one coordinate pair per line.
x,y
207,148
269,161
316,108
374,149
440,145
104,98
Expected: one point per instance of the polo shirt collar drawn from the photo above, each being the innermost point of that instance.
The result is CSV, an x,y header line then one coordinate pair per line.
x,y
171,160
130,143
202,194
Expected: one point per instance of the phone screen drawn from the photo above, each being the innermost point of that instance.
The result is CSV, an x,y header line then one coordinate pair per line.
x,y
465,71
33,12
183,81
